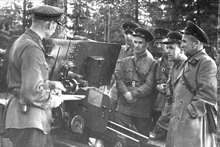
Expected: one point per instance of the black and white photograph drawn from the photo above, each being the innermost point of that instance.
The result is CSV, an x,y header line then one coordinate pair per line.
x,y
109,73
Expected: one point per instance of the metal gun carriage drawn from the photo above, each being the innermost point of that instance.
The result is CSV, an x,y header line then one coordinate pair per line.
x,y
85,68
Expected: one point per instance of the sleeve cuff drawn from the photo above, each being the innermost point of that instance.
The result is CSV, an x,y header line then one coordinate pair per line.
x,y
51,84
48,103
134,93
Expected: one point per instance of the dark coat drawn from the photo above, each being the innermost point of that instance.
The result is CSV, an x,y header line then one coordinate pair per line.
x,y
188,125
162,74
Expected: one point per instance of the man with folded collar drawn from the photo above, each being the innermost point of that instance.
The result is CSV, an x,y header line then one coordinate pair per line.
x,y
194,95
135,81
28,116
177,56
128,28
163,66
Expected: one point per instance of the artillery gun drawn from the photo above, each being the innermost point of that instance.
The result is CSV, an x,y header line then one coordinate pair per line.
x,y
85,68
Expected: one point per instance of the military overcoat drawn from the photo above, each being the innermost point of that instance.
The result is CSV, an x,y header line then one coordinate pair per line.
x,y
188,125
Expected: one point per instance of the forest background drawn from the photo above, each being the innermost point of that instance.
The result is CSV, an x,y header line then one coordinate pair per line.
x,y
101,20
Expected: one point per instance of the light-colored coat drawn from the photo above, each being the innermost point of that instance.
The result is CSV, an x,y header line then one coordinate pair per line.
x,y
28,72
188,124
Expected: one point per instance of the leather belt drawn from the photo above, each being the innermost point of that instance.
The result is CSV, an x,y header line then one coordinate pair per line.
x,y
133,84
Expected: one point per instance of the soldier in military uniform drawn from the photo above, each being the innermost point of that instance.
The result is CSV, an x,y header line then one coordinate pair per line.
x,y
163,66
195,94
175,54
128,29
28,117
135,81
126,50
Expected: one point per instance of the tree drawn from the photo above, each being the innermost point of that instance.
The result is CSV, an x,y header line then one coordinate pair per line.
x,y
218,76
88,17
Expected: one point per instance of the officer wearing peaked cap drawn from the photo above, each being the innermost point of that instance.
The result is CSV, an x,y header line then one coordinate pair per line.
x,y
143,33
159,36
175,54
195,94
126,50
160,33
194,30
28,117
135,81
173,37
46,12
162,73
128,28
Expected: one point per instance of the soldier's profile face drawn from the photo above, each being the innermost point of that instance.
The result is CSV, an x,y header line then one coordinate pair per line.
x,y
51,29
140,44
187,45
173,51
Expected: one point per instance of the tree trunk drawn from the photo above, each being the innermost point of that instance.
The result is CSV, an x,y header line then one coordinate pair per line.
x,y
218,65
24,16
136,11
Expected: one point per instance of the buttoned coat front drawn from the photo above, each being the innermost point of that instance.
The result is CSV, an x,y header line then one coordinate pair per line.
x,y
143,84
28,72
188,125
174,72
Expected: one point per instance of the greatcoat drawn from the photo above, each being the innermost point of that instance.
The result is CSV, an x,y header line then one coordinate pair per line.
x,y
188,125
164,119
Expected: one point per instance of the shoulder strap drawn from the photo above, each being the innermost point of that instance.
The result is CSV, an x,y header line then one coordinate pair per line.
x,y
187,84
135,69
211,110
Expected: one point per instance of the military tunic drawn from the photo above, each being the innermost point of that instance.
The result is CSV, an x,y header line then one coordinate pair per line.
x,y
126,51
162,74
188,125
141,87
28,72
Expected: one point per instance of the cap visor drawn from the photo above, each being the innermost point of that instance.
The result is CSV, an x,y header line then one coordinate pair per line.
x,y
169,42
135,35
